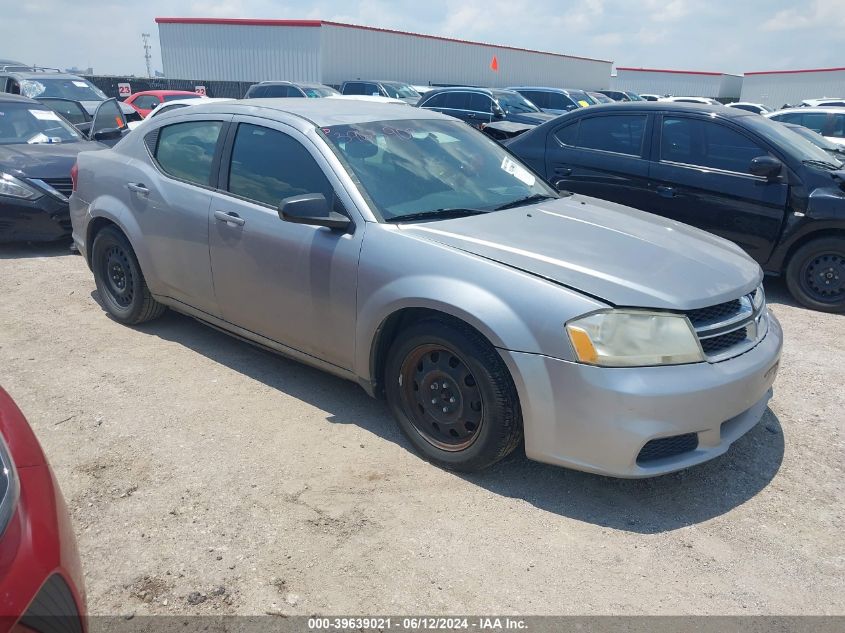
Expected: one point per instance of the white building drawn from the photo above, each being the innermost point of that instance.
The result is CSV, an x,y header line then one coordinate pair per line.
x,y
331,52
779,87
679,83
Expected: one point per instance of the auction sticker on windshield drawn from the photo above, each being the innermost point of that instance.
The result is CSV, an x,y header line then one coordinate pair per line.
x,y
45,115
518,171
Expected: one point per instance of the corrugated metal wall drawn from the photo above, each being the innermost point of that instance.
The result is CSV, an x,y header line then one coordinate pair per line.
x,y
777,89
240,52
352,53
678,84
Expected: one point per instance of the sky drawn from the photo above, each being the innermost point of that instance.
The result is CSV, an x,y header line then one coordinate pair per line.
x,y
733,36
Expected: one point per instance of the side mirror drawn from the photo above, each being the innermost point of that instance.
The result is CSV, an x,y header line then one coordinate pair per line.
x,y
498,113
108,134
766,167
311,208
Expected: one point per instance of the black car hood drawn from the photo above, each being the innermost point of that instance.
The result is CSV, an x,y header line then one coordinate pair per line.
x,y
42,160
533,118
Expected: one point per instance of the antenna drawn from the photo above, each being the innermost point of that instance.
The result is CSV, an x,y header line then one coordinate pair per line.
x,y
147,56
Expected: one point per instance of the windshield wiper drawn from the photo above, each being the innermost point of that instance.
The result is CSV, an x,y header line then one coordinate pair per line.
x,y
820,163
537,197
437,214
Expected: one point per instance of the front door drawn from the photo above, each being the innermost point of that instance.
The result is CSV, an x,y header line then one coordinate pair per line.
x,y
701,177
292,283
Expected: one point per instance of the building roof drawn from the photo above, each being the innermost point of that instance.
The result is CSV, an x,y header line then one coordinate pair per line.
x,y
793,72
677,72
319,23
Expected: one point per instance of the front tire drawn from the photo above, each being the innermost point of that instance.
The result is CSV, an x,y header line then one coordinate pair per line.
x,y
815,275
452,395
120,281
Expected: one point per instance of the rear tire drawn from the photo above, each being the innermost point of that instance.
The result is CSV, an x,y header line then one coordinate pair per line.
x,y
119,279
815,275
452,395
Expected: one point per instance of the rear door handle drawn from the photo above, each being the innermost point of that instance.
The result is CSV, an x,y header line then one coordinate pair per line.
x,y
230,218
138,187
563,171
666,192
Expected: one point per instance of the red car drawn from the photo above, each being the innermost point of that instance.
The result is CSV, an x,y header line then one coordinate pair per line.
x,y
41,588
145,102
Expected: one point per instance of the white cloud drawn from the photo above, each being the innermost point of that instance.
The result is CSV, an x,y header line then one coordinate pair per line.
x,y
815,14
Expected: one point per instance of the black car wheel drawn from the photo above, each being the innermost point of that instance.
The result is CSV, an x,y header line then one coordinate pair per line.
x,y
816,274
119,279
452,395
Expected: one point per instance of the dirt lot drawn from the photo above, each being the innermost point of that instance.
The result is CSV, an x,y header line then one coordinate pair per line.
x,y
206,476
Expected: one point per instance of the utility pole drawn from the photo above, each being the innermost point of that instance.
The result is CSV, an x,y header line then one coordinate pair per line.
x,y
147,56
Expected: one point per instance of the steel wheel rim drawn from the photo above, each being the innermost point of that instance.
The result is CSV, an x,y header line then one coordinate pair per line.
x,y
823,277
441,397
117,274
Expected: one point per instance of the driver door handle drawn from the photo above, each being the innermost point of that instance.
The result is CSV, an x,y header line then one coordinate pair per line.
x,y
563,171
229,218
138,187
666,192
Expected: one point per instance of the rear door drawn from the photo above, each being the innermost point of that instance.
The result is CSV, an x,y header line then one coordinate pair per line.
x,y
602,156
170,196
700,177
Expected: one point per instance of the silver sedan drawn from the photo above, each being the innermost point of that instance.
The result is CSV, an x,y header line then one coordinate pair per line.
x,y
402,249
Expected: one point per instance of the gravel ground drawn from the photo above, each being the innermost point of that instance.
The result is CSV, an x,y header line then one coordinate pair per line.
x,y
206,476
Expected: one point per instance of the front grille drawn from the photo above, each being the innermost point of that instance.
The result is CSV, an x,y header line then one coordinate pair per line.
x,y
730,328
668,447
63,185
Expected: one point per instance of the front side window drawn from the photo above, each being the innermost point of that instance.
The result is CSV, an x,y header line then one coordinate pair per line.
x,y
479,102
457,100
558,101
411,167
186,150
268,166
538,98
707,144
354,88
621,134
435,101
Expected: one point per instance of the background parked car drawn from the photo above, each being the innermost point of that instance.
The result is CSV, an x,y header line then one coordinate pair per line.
x,y
41,581
724,170
599,97
37,82
835,149
701,100
615,95
422,89
479,106
828,121
756,108
380,88
37,151
824,101
148,100
276,89
554,100
648,97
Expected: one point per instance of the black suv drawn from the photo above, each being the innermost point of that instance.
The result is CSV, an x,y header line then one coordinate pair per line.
x,y
273,89
480,106
727,171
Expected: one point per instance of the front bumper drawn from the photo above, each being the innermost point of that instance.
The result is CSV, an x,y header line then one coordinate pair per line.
x,y
598,419
41,220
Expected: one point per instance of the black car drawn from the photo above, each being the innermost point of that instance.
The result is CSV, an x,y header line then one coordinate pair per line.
x,y
480,106
727,171
38,148
275,89
621,95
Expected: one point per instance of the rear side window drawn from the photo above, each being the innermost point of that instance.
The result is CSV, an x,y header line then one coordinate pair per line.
x,y
353,88
622,134
457,100
707,144
146,102
268,166
186,150
274,92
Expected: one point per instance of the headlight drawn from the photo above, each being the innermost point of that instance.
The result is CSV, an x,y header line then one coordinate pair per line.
x,y
9,487
11,186
758,299
634,338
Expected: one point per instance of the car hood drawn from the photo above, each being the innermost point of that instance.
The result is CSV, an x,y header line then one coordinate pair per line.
x,y
43,160
617,254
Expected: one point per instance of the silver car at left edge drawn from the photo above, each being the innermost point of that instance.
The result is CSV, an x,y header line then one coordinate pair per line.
x,y
402,249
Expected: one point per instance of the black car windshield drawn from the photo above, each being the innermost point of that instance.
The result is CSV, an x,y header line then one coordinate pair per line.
x,y
400,91
22,123
514,102
70,88
314,91
796,145
412,167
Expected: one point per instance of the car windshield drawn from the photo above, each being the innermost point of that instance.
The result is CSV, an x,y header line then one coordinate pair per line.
x,y
413,167
75,89
796,145
514,102
400,91
22,123
579,95
180,97
814,137
633,96
314,91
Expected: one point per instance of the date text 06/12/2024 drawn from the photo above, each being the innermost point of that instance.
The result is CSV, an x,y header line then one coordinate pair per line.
x,y
417,623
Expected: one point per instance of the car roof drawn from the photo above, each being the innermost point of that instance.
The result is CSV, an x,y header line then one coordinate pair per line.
x,y
821,109
37,74
546,88
161,93
665,106
8,97
320,112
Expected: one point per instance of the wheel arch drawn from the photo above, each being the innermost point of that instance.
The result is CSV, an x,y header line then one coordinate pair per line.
x,y
806,239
